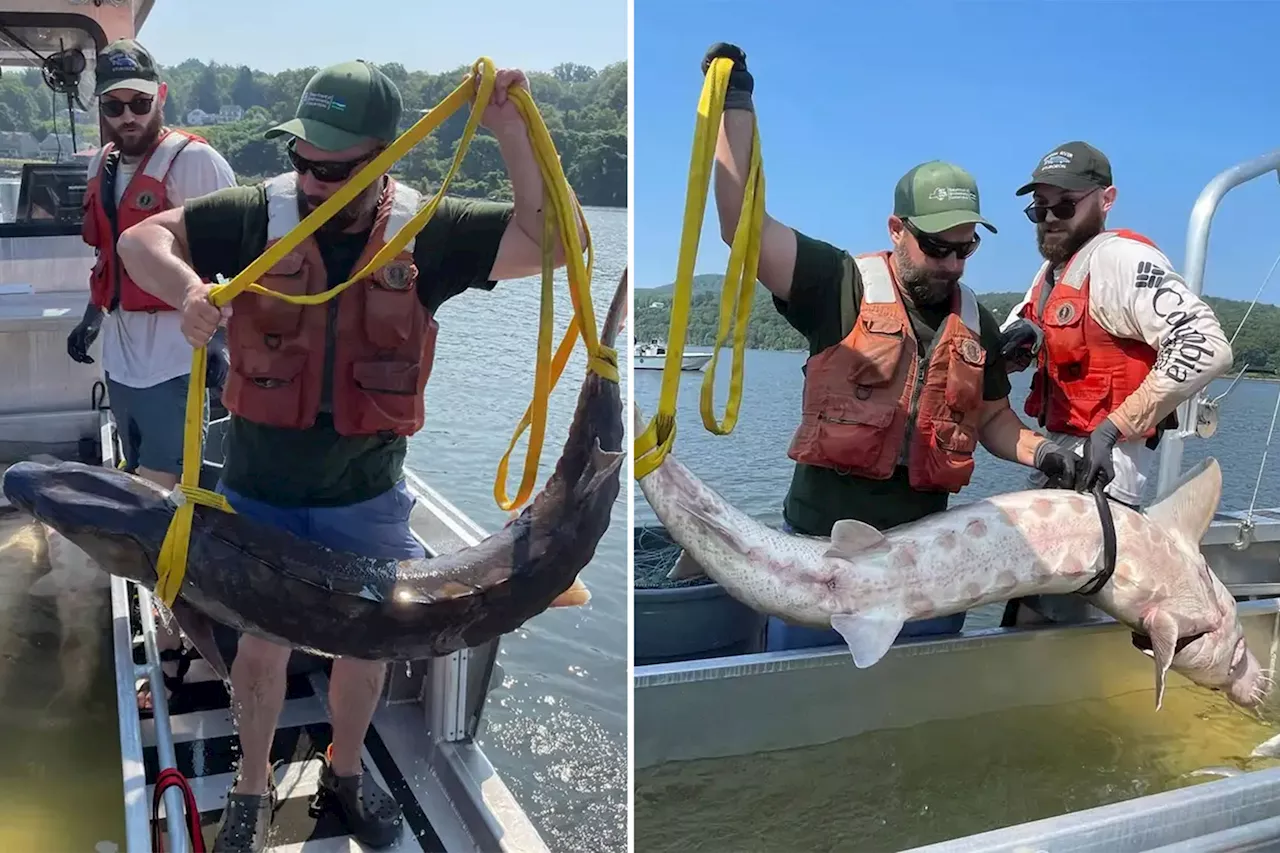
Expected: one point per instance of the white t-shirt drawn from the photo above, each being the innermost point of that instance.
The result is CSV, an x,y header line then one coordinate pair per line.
x,y
1134,293
141,349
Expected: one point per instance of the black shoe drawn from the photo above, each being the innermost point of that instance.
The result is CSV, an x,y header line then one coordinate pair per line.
x,y
368,812
246,821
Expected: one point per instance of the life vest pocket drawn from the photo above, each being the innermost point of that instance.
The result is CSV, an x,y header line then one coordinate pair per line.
x,y
874,353
271,385
945,460
850,435
965,373
390,315
273,316
385,398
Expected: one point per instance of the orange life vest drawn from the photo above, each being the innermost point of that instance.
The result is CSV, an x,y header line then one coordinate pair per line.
x,y
1084,371
383,340
144,197
871,402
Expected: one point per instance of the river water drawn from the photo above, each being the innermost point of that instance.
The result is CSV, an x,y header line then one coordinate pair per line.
x,y
555,729
886,790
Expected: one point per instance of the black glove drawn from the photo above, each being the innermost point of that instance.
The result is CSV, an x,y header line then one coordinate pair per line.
x,y
741,83
1056,464
1098,468
1020,344
217,362
83,335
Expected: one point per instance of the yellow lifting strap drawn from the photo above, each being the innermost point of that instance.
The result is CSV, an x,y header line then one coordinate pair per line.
x,y
736,295
172,563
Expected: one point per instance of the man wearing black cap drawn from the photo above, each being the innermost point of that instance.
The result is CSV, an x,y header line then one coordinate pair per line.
x,y
904,377
142,169
322,398
1117,339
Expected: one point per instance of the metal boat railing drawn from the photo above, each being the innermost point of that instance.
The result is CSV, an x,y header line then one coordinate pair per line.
x,y
137,807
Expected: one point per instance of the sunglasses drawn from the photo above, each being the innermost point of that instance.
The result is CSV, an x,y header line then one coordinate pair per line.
x,y
940,249
113,108
1065,209
328,171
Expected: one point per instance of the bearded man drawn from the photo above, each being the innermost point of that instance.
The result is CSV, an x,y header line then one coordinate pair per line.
x,y
142,169
1117,339
322,398
904,375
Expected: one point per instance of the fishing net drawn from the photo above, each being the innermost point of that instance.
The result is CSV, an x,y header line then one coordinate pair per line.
x,y
655,554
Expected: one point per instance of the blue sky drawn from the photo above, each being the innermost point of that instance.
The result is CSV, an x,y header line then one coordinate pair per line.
x,y
851,95
426,35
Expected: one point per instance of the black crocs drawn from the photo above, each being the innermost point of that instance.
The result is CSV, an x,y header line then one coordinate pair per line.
x,y
246,821
368,812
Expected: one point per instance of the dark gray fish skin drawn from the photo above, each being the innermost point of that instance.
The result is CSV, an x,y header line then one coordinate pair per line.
x,y
265,581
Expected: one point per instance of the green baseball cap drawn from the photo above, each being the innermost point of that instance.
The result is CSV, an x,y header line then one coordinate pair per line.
x,y
343,105
125,64
936,196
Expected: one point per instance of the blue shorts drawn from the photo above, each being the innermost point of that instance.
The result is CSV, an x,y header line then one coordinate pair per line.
x,y
150,423
378,527
780,636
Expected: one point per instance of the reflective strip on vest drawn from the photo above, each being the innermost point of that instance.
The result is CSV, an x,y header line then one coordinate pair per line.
x,y
878,287
282,208
164,155
1078,266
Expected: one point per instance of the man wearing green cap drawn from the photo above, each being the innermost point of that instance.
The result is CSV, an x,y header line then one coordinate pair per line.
x,y
1117,339
904,376
142,169
322,398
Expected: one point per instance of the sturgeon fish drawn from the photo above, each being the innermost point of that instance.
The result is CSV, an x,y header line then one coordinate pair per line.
x,y
865,584
265,581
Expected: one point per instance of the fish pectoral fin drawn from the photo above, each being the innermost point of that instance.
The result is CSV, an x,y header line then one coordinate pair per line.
x,y
198,628
869,635
575,596
1162,630
686,567
848,537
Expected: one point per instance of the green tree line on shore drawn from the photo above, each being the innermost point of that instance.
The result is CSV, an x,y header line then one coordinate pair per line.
x,y
1257,344
585,111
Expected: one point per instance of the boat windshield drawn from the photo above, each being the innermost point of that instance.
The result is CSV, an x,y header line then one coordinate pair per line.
x,y
48,124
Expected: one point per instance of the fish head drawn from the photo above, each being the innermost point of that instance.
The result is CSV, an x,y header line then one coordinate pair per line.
x,y
118,519
1220,659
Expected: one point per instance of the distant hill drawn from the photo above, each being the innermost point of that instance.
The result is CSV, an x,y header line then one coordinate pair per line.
x,y
1258,344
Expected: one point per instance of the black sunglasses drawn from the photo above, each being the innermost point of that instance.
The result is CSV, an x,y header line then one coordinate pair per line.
x,y
1065,209
939,249
328,171
113,108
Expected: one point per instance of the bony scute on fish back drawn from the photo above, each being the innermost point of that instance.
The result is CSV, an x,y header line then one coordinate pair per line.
x,y
866,583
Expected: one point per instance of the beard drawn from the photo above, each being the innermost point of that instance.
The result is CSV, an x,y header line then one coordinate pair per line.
x,y
926,288
349,215
1058,241
135,138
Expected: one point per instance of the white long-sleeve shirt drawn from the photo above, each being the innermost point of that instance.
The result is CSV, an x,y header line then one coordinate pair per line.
x,y
141,349
1134,293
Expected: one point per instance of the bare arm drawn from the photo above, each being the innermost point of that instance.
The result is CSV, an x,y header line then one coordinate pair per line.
x,y
733,162
156,255
520,252
1003,434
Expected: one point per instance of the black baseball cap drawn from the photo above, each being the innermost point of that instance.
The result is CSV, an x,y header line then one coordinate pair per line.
x,y
343,105
125,64
1071,166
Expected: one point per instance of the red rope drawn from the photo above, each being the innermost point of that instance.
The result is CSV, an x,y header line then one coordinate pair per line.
x,y
168,778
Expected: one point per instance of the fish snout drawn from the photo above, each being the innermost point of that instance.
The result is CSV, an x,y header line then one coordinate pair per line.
x,y
1251,686
22,483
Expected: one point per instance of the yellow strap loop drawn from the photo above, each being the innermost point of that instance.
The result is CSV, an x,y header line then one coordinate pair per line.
x,y
172,563
737,294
